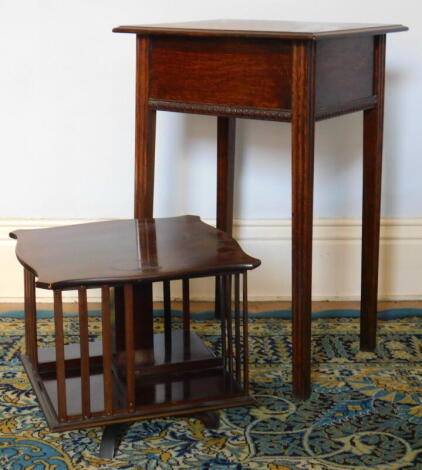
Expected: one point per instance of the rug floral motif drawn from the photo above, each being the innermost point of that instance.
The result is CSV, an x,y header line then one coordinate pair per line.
x,y
365,411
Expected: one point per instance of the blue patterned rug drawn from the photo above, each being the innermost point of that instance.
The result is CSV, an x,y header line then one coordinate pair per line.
x,y
365,411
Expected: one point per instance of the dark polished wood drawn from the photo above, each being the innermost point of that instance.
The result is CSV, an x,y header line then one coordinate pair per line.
x,y
60,357
261,29
164,361
237,326
186,382
298,72
343,71
303,128
130,348
118,379
186,318
222,287
167,319
107,356
245,333
30,317
210,390
372,164
118,301
84,351
343,75
229,323
181,66
143,322
242,68
346,108
101,253
226,139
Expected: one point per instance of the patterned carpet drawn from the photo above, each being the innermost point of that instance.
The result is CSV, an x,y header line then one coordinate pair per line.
x,y
365,411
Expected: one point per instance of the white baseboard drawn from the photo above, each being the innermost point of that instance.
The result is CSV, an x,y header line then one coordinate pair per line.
x,y
336,269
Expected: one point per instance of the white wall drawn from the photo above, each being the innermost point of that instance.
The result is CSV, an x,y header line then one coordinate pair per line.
x,y
67,117
67,110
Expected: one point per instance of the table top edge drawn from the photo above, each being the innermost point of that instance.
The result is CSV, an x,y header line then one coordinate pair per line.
x,y
168,30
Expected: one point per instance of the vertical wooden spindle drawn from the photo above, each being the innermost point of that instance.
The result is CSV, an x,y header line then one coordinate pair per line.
x,y
119,319
186,333
30,318
130,347
245,334
222,299
167,391
228,312
84,348
237,324
167,320
107,350
60,358
186,318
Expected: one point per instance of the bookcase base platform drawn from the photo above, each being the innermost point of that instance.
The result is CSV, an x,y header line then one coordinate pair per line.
x,y
172,394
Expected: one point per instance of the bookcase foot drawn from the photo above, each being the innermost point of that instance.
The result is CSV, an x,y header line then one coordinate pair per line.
x,y
210,419
112,435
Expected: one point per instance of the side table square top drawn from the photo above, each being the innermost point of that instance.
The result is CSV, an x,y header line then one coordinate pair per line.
x,y
261,28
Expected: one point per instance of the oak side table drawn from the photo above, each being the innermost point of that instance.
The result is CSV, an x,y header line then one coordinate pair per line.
x,y
278,71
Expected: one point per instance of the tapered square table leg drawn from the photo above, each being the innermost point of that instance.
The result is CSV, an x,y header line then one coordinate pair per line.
x,y
372,164
303,126
226,136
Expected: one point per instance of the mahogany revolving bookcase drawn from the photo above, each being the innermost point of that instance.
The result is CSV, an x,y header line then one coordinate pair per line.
x,y
82,381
